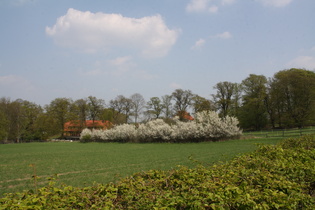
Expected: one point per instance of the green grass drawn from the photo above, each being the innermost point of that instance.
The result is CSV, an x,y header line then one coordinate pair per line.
x,y
80,164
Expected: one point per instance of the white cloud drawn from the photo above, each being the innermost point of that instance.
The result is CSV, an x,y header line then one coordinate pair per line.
x,y
144,75
275,3
93,72
199,43
197,6
15,85
120,61
227,2
121,65
203,6
224,35
91,32
21,2
307,62
174,85
213,9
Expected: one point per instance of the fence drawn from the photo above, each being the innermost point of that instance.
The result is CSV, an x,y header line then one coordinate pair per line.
x,y
281,132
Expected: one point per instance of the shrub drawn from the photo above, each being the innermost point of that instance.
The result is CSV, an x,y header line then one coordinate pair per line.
x,y
206,126
155,130
86,135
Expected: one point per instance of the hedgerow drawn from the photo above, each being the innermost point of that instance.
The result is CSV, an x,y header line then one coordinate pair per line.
x,y
272,177
206,126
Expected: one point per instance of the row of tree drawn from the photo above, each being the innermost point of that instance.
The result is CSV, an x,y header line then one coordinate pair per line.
x,y
285,100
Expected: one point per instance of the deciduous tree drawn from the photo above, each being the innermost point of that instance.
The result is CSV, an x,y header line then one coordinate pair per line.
x,y
253,112
183,100
121,107
95,107
167,106
293,96
224,97
202,104
138,105
155,107
59,111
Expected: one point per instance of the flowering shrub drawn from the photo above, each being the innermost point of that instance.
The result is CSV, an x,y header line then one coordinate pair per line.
x,y
155,130
206,126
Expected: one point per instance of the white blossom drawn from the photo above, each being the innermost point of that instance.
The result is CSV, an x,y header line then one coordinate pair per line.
x,y
206,126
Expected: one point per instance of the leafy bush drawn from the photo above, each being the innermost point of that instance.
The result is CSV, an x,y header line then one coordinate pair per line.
x,y
272,177
206,126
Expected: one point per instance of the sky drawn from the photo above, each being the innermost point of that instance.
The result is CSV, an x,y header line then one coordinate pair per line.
x,y
105,48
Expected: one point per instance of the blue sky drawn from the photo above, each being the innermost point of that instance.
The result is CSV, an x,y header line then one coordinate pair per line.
x,y
78,48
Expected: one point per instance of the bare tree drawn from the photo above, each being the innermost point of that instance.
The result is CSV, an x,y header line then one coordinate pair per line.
x,y
167,106
138,105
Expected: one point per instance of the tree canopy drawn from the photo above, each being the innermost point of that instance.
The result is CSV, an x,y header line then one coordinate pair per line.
x,y
285,100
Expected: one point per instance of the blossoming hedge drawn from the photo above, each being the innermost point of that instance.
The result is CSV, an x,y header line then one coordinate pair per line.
x,y
206,126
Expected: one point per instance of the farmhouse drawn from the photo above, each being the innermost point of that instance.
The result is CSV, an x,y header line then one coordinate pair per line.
x,y
183,115
73,129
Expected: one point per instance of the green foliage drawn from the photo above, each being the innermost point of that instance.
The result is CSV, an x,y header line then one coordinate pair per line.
x,y
253,112
292,97
272,177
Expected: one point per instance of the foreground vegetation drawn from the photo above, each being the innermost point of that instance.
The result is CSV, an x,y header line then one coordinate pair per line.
x,y
272,177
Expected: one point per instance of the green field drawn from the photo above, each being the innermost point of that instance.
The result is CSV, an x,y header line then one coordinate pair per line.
x,y
79,164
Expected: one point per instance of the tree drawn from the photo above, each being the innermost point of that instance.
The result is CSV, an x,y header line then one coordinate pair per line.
x,y
270,103
81,109
121,107
167,106
18,120
107,115
127,108
223,98
95,107
5,121
31,113
292,94
253,112
138,105
155,107
183,100
202,104
59,111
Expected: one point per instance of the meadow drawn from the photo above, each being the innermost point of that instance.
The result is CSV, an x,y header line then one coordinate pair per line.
x,y
82,164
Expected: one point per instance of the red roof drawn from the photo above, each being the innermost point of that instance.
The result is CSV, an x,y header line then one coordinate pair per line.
x,y
76,125
184,115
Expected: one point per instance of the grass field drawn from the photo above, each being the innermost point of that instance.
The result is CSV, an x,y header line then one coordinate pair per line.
x,y
79,164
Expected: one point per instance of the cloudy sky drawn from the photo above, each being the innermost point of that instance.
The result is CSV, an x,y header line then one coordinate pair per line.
x,y
105,48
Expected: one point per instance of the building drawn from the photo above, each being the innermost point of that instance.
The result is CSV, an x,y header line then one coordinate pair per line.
x,y
185,116
73,129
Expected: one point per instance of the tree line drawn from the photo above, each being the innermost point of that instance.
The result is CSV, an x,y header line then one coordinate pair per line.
x,y
285,100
